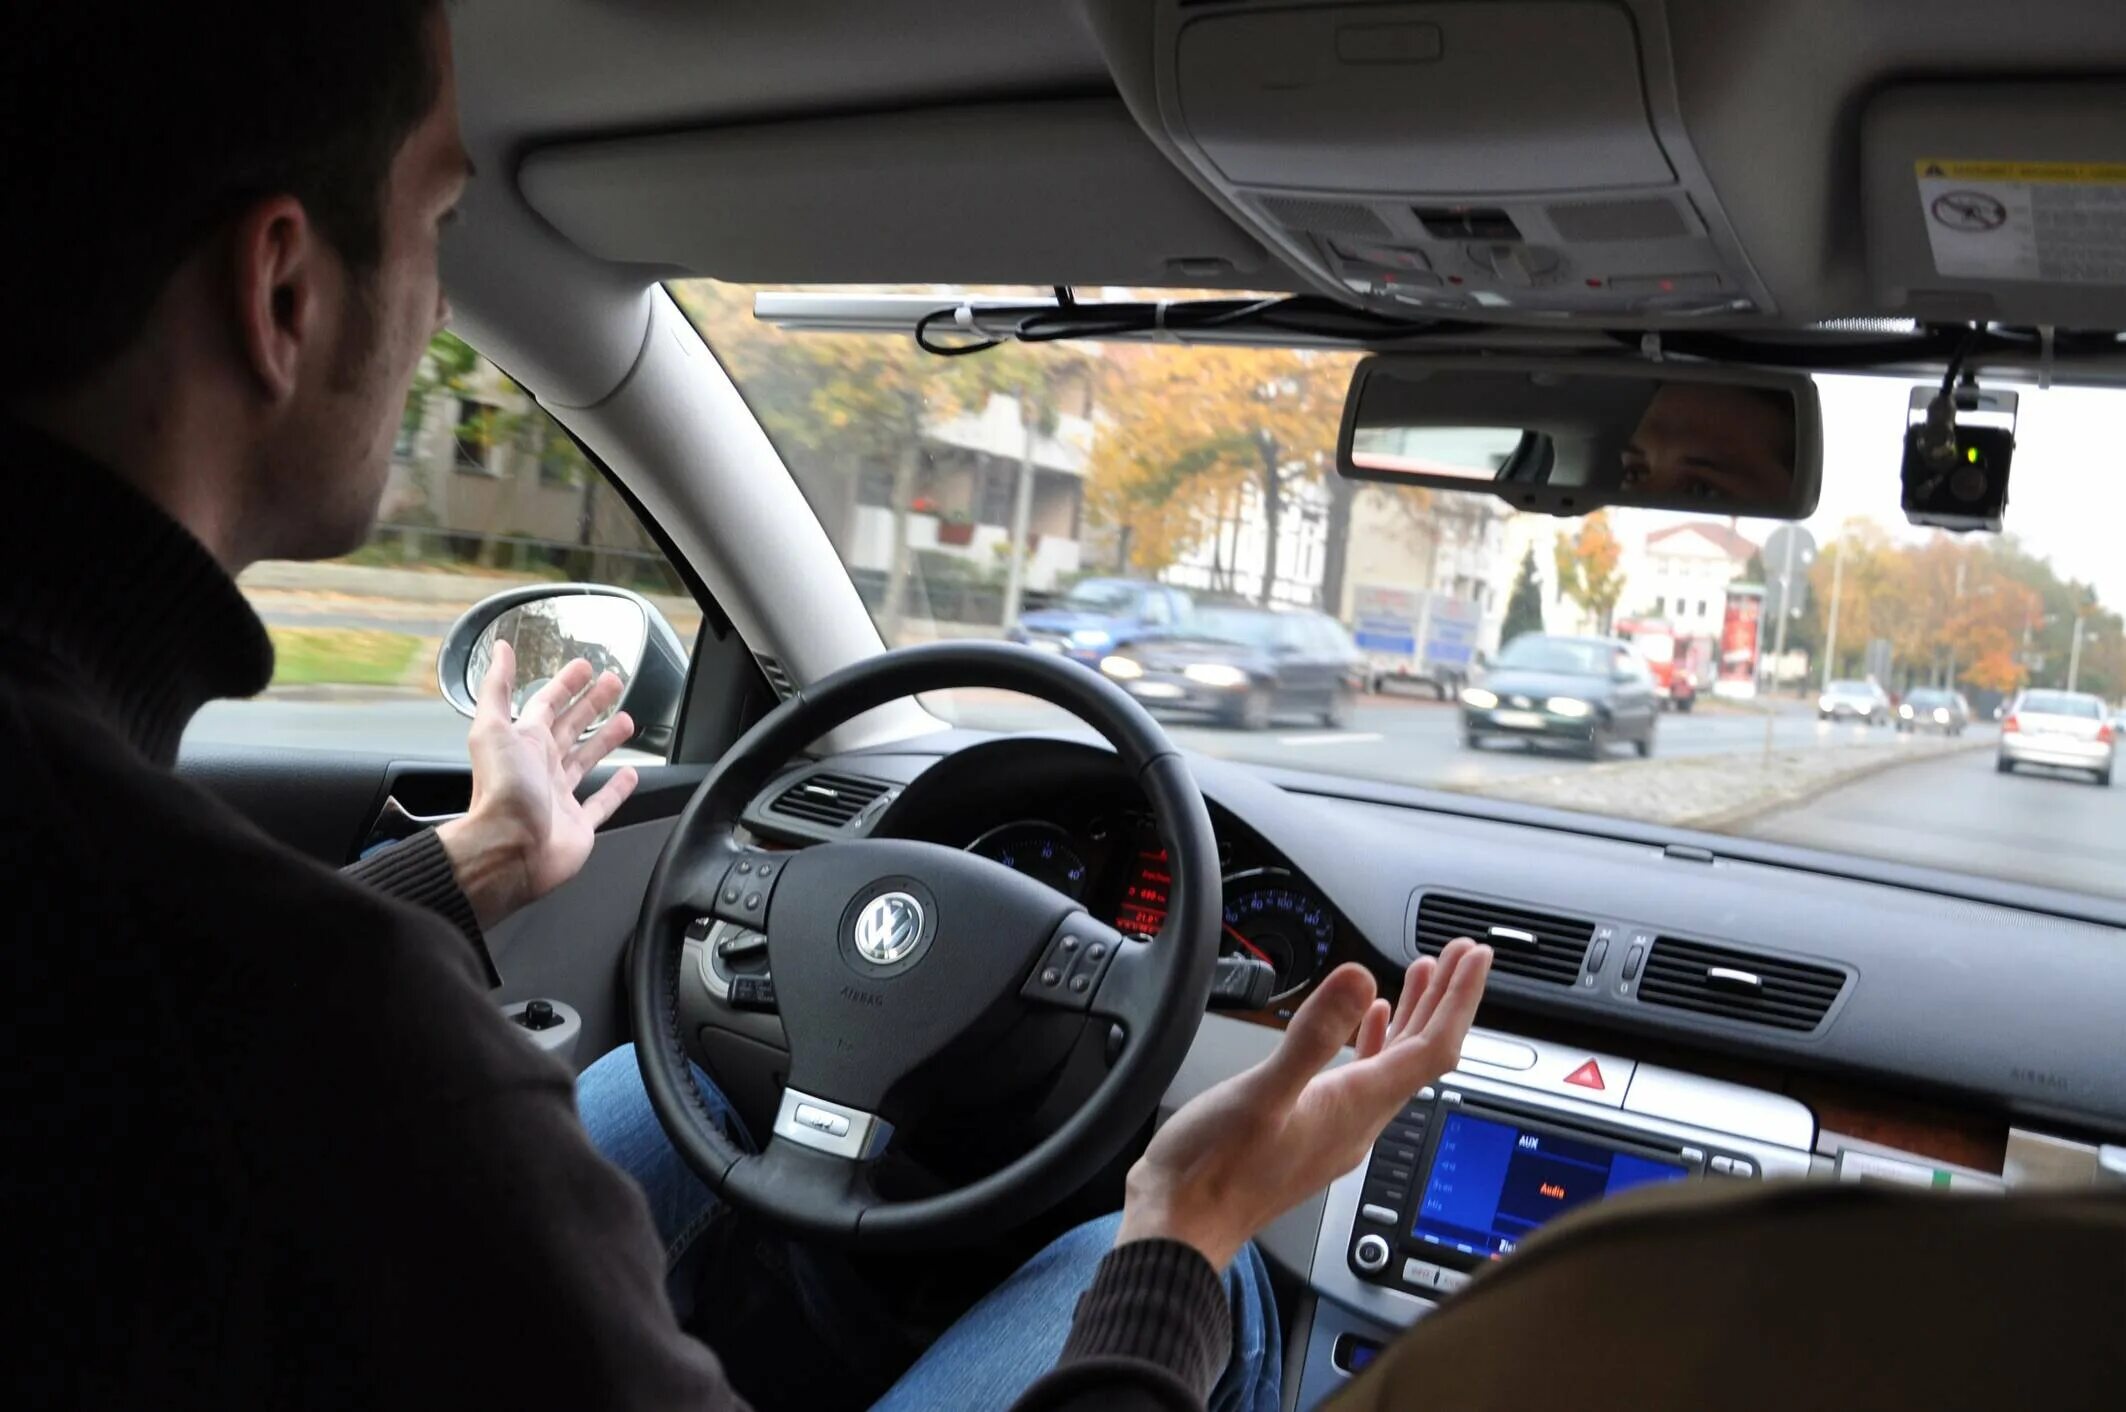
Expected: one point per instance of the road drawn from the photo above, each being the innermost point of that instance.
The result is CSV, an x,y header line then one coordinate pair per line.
x,y
1405,740
2038,826
1955,813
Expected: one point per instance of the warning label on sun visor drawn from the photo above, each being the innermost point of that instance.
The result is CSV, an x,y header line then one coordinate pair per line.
x,y
2055,222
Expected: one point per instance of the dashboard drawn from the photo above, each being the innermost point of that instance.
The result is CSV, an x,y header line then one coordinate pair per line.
x,y
1105,852
1664,1007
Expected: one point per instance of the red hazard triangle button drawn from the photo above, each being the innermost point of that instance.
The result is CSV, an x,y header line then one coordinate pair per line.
x,y
1588,1075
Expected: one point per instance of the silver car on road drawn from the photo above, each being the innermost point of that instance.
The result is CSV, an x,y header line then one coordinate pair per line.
x,y
2066,729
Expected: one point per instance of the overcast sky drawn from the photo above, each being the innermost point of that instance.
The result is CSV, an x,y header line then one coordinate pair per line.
x,y
2066,491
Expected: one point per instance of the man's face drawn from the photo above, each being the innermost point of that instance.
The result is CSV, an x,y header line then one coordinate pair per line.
x,y
325,469
1719,445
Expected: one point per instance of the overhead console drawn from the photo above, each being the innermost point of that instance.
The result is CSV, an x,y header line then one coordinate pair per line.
x,y
1502,159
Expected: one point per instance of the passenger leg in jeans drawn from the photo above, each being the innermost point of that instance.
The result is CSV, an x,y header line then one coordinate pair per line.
x,y
616,1112
997,1349
1014,1335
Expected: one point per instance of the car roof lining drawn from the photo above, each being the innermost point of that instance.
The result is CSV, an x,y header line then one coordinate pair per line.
x,y
554,86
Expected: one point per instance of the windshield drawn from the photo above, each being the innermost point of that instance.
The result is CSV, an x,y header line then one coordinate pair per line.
x,y
1557,654
967,495
1929,698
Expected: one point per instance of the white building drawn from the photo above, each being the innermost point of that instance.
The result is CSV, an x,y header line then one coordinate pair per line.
x,y
1681,574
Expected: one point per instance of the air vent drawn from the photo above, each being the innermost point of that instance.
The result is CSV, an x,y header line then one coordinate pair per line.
x,y
828,799
1738,985
1534,945
779,681
1327,217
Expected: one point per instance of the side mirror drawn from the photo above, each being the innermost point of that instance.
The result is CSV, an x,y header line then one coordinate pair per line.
x,y
550,625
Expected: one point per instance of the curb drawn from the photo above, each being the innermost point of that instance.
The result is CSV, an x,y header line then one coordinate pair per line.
x,y
1723,820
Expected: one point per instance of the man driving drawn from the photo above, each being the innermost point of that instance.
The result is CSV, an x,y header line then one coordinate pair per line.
x,y
277,1146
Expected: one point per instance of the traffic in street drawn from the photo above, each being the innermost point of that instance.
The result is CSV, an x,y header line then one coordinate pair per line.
x,y
2040,826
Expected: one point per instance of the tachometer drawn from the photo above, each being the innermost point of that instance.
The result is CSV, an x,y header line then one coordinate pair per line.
x,y
1038,849
1274,917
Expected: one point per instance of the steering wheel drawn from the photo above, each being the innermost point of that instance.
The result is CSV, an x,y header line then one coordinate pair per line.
x,y
894,961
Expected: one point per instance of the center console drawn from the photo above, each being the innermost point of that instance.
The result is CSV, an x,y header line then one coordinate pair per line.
x,y
1520,1132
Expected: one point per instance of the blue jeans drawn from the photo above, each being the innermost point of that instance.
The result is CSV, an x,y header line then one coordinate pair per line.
x,y
1001,1345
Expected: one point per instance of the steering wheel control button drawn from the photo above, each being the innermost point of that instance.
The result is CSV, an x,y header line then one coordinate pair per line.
x,y
755,993
743,898
1379,1215
834,1128
1078,956
1370,1255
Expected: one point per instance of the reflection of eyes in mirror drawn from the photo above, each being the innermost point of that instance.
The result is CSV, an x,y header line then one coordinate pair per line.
x,y
549,633
1711,442
1471,453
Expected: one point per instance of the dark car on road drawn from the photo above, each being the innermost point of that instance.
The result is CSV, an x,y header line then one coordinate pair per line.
x,y
1098,615
1855,700
1582,691
1244,667
1933,709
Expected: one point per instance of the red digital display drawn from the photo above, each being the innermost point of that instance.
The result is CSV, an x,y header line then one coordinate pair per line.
x,y
1151,886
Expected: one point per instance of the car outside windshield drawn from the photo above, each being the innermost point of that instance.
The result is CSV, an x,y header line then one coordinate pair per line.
x,y
1550,654
1098,596
999,494
1239,626
2059,703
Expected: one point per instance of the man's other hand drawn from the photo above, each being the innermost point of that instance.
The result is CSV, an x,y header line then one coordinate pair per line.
x,y
1241,1153
526,833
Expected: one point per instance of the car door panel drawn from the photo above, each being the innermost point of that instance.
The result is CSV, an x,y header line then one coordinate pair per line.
x,y
335,806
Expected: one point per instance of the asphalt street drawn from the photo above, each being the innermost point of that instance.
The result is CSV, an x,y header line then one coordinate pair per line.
x,y
2043,827
2051,827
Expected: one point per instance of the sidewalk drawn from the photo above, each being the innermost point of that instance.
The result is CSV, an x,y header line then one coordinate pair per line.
x,y
1715,792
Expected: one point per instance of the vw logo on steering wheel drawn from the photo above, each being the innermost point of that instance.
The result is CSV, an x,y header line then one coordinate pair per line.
x,y
888,927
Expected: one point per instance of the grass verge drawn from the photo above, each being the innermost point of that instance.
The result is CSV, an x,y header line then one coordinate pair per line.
x,y
341,656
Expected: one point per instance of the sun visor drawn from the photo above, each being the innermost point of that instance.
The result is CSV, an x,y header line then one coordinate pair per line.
x,y
1062,192
2001,201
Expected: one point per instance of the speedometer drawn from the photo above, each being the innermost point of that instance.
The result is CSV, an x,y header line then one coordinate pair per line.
x,y
1038,849
1273,916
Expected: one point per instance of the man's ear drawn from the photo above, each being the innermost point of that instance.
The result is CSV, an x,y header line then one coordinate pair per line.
x,y
278,279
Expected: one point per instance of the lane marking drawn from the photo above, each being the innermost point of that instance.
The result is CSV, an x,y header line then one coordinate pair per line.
x,y
1332,738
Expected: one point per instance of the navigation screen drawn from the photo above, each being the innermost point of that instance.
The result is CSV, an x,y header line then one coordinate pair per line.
x,y
1151,886
1492,1183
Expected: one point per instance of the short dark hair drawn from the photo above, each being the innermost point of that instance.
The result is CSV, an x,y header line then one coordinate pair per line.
x,y
134,128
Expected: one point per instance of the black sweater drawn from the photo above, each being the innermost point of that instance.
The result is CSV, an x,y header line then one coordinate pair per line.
x,y
273,1145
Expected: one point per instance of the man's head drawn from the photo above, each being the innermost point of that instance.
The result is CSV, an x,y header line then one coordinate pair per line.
x,y
223,236
1711,442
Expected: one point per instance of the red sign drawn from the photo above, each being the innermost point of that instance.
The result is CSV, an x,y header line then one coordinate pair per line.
x,y
1738,634
1588,1075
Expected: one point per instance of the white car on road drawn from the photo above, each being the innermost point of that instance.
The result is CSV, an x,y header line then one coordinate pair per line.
x,y
2061,728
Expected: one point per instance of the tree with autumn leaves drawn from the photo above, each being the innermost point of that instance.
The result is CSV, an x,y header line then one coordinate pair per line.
x,y
1971,612
1188,434
1590,568
843,402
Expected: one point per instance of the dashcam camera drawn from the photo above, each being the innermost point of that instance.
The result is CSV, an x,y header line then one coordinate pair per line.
x,y
1957,453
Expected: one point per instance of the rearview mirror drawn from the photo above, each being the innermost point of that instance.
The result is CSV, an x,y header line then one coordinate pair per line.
x,y
550,625
1566,436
